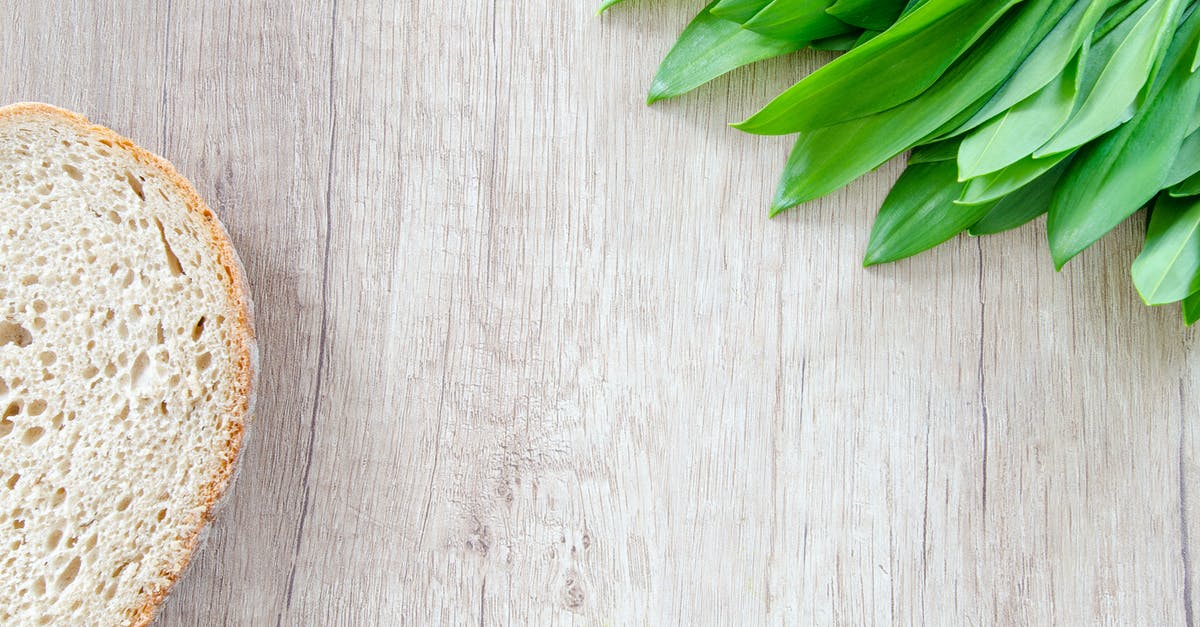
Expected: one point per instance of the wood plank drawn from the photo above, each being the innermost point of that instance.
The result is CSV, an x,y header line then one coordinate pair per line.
x,y
533,354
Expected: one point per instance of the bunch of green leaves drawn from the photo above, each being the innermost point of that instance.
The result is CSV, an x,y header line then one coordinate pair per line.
x,y
1083,110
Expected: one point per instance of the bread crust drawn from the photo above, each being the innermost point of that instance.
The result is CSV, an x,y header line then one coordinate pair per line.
x,y
240,310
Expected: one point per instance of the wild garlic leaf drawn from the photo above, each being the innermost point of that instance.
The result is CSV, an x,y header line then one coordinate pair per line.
x,y
1196,59
738,10
845,41
828,158
1046,62
887,71
1195,124
1116,69
1187,187
1116,13
945,150
1191,309
867,14
1115,175
1187,161
608,4
803,20
995,185
1082,109
1015,134
709,47
1020,205
1168,269
920,213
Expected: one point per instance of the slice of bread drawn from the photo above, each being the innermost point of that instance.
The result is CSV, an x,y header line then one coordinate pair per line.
x,y
127,360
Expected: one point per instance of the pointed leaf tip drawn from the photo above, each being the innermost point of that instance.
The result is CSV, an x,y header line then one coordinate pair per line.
x,y
779,207
608,4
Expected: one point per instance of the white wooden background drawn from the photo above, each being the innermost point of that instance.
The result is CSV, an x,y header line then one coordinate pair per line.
x,y
533,353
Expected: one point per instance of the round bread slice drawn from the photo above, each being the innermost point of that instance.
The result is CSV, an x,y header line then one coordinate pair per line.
x,y
127,360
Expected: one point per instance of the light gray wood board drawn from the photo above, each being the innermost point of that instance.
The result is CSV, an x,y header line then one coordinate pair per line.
x,y
533,353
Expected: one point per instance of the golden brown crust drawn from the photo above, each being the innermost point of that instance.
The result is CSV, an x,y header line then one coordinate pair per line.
x,y
240,310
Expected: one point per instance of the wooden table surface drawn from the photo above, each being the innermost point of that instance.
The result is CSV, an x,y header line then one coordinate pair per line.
x,y
534,354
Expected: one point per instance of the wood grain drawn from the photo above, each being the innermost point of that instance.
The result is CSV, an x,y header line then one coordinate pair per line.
x,y
533,354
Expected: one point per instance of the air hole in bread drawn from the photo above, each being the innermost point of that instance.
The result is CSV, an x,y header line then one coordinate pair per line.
x,y
172,259
69,573
124,503
13,333
135,184
36,408
32,435
198,330
72,171
138,371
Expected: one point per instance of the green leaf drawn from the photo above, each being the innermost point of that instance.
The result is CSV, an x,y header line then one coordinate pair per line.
x,y
920,213
1191,309
995,185
708,48
608,4
1195,125
1115,175
1196,59
887,71
1047,61
1187,187
1187,161
1116,13
828,158
1015,134
1116,69
867,14
1021,205
844,41
738,10
912,5
945,150
1168,269
799,20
